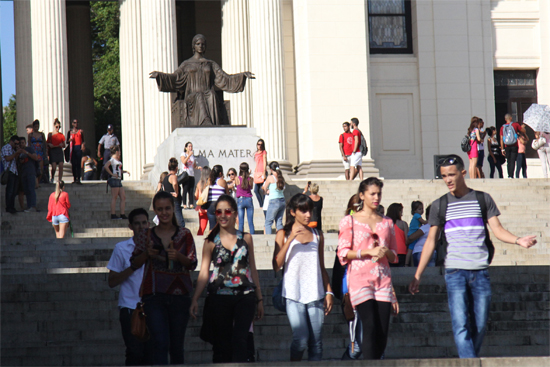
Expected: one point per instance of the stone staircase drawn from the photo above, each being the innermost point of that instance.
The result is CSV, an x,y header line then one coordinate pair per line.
x,y
58,310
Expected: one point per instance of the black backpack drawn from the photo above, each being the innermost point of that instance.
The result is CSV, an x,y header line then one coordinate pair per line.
x,y
441,244
465,144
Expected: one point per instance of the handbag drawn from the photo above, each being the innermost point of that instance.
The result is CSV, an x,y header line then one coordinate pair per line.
x,y
139,324
347,307
203,199
183,177
538,143
67,153
279,302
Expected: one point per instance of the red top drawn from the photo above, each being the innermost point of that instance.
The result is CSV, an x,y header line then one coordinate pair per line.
x,y
61,207
159,275
56,139
516,127
346,139
77,138
401,240
357,133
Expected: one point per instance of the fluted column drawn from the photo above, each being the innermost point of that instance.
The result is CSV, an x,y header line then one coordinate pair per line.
x,y
23,62
158,36
132,77
236,57
50,72
266,45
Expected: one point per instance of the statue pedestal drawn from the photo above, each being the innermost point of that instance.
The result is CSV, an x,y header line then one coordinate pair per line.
x,y
228,146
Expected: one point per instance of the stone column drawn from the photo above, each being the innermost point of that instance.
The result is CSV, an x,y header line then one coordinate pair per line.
x,y
132,77
158,36
236,57
266,46
81,81
50,72
332,81
23,62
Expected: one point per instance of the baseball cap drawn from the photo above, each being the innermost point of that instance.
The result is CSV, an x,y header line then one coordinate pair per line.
x,y
110,127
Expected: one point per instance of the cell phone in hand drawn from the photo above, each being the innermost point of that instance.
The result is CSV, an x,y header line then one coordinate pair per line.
x,y
309,183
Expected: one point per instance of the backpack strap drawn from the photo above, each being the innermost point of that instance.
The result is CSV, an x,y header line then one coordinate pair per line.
x,y
483,206
443,201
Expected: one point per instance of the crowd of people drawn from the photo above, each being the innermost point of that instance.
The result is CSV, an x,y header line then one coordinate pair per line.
x,y
510,149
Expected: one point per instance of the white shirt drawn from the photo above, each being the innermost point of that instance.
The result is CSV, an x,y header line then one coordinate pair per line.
x,y
419,245
303,281
189,166
116,167
120,261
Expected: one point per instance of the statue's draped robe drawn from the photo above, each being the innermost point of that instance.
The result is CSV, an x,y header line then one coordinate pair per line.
x,y
197,80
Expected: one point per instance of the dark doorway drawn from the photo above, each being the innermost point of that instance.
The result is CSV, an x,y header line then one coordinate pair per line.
x,y
515,91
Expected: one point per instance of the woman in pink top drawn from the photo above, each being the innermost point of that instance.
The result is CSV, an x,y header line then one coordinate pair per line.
x,y
368,253
260,157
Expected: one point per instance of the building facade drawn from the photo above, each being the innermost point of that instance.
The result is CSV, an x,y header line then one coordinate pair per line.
x,y
413,72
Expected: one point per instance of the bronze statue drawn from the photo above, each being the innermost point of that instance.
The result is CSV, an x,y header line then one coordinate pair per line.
x,y
195,81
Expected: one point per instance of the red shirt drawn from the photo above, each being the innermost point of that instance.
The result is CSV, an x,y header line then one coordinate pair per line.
x,y
56,139
516,127
357,133
401,240
61,207
77,137
346,139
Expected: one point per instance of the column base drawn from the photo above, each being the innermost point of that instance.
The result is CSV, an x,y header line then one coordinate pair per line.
x,y
332,169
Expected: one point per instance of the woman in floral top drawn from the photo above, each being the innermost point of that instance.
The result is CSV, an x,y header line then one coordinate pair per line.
x,y
234,293
368,253
168,252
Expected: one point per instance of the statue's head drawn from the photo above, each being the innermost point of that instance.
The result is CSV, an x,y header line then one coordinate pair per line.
x,y
199,44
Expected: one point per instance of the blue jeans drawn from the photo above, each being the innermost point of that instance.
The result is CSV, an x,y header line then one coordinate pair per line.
x,y
306,321
167,317
178,213
275,212
211,214
29,182
259,194
469,295
521,165
245,203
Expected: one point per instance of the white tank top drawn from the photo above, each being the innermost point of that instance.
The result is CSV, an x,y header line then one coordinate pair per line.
x,y
302,279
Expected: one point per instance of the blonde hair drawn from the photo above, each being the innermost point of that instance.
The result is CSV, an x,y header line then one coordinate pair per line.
x,y
58,189
314,188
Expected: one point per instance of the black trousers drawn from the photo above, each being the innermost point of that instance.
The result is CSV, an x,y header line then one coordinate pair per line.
x,y
511,157
233,316
494,165
189,189
76,161
375,317
137,353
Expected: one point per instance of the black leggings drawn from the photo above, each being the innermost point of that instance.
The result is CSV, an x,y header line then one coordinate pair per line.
x,y
494,165
375,317
189,189
232,317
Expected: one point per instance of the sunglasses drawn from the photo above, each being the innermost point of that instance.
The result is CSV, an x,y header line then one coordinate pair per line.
x,y
375,238
231,174
227,212
448,161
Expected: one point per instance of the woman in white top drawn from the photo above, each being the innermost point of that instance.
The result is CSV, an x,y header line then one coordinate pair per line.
x,y
306,285
544,152
189,165
115,171
218,187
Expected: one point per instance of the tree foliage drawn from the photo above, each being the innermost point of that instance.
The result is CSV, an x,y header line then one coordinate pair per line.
x,y
105,64
10,120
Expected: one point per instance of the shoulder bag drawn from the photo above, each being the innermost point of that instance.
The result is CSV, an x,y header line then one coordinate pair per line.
x,y
139,324
203,199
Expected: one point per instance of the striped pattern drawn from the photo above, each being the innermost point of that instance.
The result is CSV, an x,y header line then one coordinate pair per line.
x,y
466,236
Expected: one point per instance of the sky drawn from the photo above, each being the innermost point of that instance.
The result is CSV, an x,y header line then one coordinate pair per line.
x,y
7,50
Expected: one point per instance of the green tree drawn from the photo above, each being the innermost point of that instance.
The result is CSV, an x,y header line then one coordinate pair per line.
x,y
105,64
10,120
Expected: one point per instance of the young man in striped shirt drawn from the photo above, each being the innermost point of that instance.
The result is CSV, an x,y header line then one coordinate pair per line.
x,y
467,260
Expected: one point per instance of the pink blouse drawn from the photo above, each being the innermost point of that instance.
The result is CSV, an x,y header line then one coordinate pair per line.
x,y
367,280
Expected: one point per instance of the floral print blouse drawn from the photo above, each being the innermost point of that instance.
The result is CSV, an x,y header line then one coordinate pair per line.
x,y
231,274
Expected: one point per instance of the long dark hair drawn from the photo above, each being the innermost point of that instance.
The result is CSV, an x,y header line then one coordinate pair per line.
x,y
364,185
473,124
232,203
274,166
262,145
165,195
352,204
394,212
217,170
244,172
299,202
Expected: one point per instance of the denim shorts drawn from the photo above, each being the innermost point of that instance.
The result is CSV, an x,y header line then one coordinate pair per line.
x,y
114,182
57,219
